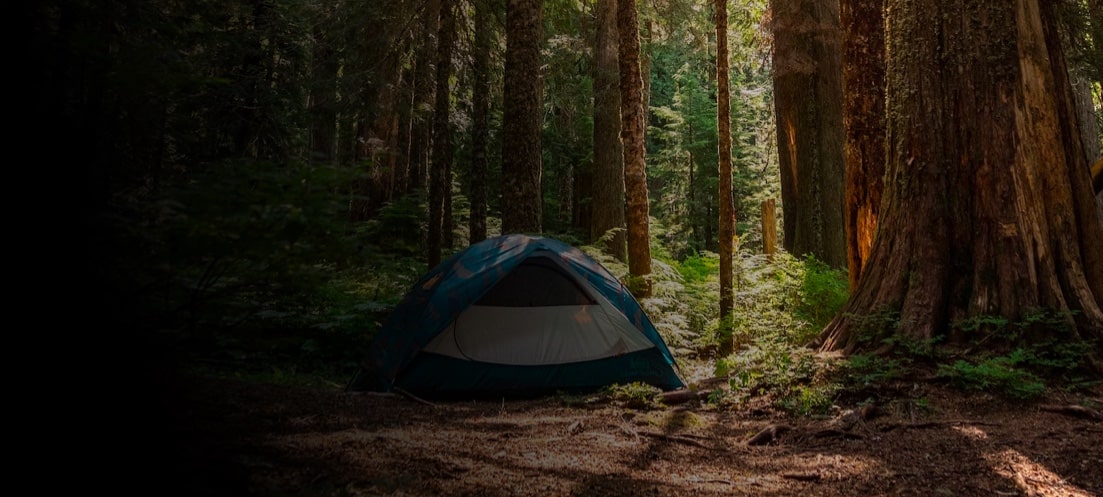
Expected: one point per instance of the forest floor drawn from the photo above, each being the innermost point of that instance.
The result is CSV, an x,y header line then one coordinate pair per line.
x,y
224,437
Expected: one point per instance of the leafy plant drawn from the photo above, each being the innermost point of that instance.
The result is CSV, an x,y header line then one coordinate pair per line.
x,y
636,395
823,293
863,370
805,400
995,374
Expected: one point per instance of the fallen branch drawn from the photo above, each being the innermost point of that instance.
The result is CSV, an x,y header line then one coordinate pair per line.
x,y
934,424
768,434
679,396
1074,411
414,398
676,438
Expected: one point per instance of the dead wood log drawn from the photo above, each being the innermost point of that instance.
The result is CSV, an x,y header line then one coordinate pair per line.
x,y
768,434
679,396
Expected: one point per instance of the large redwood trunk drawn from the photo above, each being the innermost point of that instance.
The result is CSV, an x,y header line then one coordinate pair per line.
x,y
864,123
808,109
978,219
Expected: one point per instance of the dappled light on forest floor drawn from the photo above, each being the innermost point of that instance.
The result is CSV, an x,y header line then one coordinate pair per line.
x,y
1033,478
284,440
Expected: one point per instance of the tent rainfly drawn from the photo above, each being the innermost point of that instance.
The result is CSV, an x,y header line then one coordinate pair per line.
x,y
516,315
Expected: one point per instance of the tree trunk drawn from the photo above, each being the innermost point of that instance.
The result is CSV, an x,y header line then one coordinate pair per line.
x,y
727,205
863,31
421,130
808,110
521,119
607,193
442,136
480,129
632,137
769,228
385,129
978,220
322,107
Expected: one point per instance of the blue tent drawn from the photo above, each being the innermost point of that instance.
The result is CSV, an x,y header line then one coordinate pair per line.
x,y
516,315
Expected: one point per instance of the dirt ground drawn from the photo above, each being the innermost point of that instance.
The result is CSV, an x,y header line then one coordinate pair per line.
x,y
222,437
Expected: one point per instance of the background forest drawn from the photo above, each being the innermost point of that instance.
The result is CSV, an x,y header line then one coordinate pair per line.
x,y
257,178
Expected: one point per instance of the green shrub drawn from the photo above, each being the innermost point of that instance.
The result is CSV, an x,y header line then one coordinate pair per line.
x,y
823,293
998,374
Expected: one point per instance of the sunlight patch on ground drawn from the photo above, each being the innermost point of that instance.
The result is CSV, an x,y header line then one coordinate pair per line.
x,y
1034,479
971,432
836,467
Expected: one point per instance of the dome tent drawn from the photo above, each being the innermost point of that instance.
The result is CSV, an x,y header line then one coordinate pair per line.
x,y
516,315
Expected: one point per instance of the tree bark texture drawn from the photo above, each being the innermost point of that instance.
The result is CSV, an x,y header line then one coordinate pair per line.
x,y
863,39
480,128
978,219
769,228
440,166
323,94
607,193
521,119
385,131
808,111
421,129
632,138
724,139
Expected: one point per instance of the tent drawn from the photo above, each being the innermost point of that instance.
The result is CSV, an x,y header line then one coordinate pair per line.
x,y
516,315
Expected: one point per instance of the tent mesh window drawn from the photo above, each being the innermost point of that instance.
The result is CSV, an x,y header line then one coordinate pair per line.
x,y
536,282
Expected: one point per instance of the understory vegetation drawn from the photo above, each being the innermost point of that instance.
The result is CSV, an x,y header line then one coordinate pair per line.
x,y
267,286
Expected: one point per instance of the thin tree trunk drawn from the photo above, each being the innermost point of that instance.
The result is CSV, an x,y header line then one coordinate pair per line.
x,y
632,137
480,129
323,95
421,131
442,140
727,204
608,170
521,120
